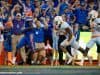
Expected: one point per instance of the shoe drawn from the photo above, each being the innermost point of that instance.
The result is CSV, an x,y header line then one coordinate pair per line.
x,y
85,53
14,60
33,62
70,61
38,63
81,64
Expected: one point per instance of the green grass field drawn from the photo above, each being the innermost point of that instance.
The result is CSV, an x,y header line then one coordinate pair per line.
x,y
49,70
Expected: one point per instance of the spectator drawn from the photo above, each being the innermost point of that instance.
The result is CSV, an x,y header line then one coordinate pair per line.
x,y
5,10
81,16
92,5
70,16
76,4
18,24
36,3
36,13
8,40
43,13
16,9
48,31
28,7
44,4
27,39
39,55
63,4
52,13
56,2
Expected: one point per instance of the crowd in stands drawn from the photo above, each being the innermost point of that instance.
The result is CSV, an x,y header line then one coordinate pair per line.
x,y
17,15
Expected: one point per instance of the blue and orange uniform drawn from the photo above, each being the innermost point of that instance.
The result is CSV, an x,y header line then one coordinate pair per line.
x,y
27,39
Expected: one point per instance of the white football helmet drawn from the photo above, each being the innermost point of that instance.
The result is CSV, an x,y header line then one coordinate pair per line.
x,y
93,14
58,20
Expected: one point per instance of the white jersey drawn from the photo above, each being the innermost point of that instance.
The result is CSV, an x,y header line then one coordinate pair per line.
x,y
1,36
97,26
96,31
64,26
72,42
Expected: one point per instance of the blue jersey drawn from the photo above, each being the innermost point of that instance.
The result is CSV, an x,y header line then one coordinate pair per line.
x,y
27,39
62,6
28,32
81,16
39,35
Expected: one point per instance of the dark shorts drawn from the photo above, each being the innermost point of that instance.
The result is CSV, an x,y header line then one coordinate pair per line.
x,y
98,48
25,41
